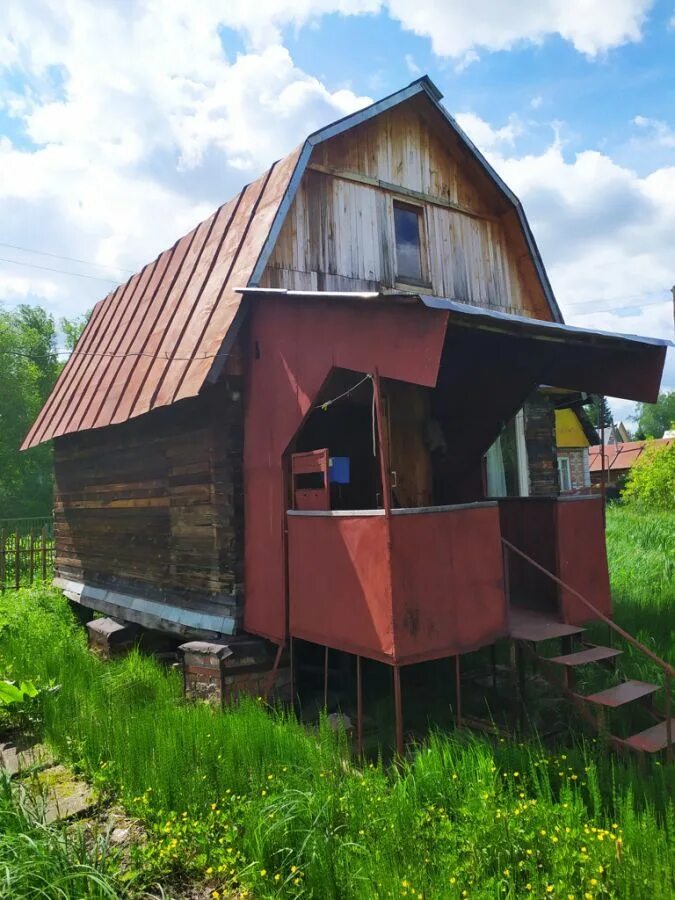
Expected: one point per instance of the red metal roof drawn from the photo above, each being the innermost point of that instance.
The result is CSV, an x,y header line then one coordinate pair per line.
x,y
154,340
619,457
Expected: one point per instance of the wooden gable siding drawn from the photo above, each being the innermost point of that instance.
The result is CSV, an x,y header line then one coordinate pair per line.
x,y
339,232
154,506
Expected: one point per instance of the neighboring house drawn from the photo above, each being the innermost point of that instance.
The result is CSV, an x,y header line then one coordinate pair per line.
x,y
618,460
614,434
277,428
574,436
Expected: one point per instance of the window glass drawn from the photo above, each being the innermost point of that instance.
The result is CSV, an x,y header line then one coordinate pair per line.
x,y
507,462
408,243
564,472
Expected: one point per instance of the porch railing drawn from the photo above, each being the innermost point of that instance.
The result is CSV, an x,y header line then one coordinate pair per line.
x,y
666,668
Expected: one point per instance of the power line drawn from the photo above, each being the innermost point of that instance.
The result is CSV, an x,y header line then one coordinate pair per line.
x,y
61,351
85,262
590,312
28,265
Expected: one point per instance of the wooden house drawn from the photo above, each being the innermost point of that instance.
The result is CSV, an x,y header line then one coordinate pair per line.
x,y
574,435
277,428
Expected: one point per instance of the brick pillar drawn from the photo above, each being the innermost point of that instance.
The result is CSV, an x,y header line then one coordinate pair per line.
x,y
221,672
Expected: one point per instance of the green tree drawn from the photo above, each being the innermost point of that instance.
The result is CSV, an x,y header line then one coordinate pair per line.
x,y
73,328
28,369
600,413
651,481
655,418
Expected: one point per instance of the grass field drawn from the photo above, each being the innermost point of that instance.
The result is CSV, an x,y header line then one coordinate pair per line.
x,y
250,801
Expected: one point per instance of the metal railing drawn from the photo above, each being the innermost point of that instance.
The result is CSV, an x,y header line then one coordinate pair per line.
x,y
666,668
26,556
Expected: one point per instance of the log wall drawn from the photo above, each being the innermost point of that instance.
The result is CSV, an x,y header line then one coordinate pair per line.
x,y
154,506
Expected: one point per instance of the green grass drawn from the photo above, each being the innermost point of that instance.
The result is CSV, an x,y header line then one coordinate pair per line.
x,y
41,861
250,800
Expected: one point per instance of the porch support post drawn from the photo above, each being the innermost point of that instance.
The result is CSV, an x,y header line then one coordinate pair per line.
x,y
359,708
398,711
383,445
458,692
292,667
325,678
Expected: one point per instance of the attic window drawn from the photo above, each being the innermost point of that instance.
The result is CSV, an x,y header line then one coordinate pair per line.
x,y
408,231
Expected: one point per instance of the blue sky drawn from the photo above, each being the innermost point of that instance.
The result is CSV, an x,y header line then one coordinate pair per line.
x,y
124,122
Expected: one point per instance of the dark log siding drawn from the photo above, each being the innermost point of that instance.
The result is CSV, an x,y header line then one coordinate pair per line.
x,y
155,506
541,448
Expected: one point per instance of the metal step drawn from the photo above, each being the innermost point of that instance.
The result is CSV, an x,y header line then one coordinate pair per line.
x,y
653,739
582,657
620,694
533,627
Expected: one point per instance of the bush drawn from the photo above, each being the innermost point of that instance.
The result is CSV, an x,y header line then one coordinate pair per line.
x,y
651,481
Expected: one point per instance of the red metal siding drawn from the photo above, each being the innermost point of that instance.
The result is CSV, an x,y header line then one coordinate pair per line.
x,y
582,558
447,582
340,583
294,346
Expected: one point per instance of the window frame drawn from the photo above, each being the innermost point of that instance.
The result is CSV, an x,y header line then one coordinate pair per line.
x,y
421,210
564,463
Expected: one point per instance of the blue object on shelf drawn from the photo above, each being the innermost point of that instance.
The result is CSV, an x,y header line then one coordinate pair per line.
x,y
338,470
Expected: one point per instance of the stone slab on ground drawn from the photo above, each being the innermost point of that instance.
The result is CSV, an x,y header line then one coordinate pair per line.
x,y
23,756
60,794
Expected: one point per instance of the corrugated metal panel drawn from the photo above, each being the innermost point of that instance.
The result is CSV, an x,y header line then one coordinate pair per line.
x,y
154,340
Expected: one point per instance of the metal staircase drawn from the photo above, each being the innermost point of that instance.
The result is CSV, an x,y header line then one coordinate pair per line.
x,y
530,630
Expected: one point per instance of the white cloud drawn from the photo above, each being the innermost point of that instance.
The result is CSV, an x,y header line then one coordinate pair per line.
x,y
467,60
484,135
139,126
411,65
605,233
536,101
658,131
455,27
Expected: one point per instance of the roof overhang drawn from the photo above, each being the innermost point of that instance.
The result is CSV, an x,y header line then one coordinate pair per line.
x,y
580,359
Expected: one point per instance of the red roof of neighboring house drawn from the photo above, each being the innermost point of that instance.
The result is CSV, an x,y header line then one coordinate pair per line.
x,y
619,457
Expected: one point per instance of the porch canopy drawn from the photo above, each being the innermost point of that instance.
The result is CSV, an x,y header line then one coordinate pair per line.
x,y
491,361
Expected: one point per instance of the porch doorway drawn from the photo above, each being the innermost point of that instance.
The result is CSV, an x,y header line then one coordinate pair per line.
x,y
343,421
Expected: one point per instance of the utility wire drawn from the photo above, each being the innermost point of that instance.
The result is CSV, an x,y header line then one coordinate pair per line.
x,y
85,262
637,305
28,265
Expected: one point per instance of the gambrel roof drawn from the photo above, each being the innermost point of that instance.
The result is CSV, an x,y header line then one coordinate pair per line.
x,y
166,333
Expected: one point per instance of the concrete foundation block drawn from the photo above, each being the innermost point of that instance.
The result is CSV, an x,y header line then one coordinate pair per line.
x,y
109,638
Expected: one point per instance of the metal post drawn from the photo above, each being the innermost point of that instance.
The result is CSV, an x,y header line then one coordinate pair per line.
x,y
325,679
383,446
292,668
493,665
17,559
31,556
359,707
603,486
3,551
669,724
44,552
398,711
458,693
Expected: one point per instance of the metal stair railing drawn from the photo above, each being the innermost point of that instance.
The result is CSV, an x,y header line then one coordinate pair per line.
x,y
666,668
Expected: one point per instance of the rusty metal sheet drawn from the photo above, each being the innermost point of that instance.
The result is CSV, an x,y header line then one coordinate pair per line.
x,y
155,338
154,328
448,585
340,587
298,345
219,315
183,340
582,558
